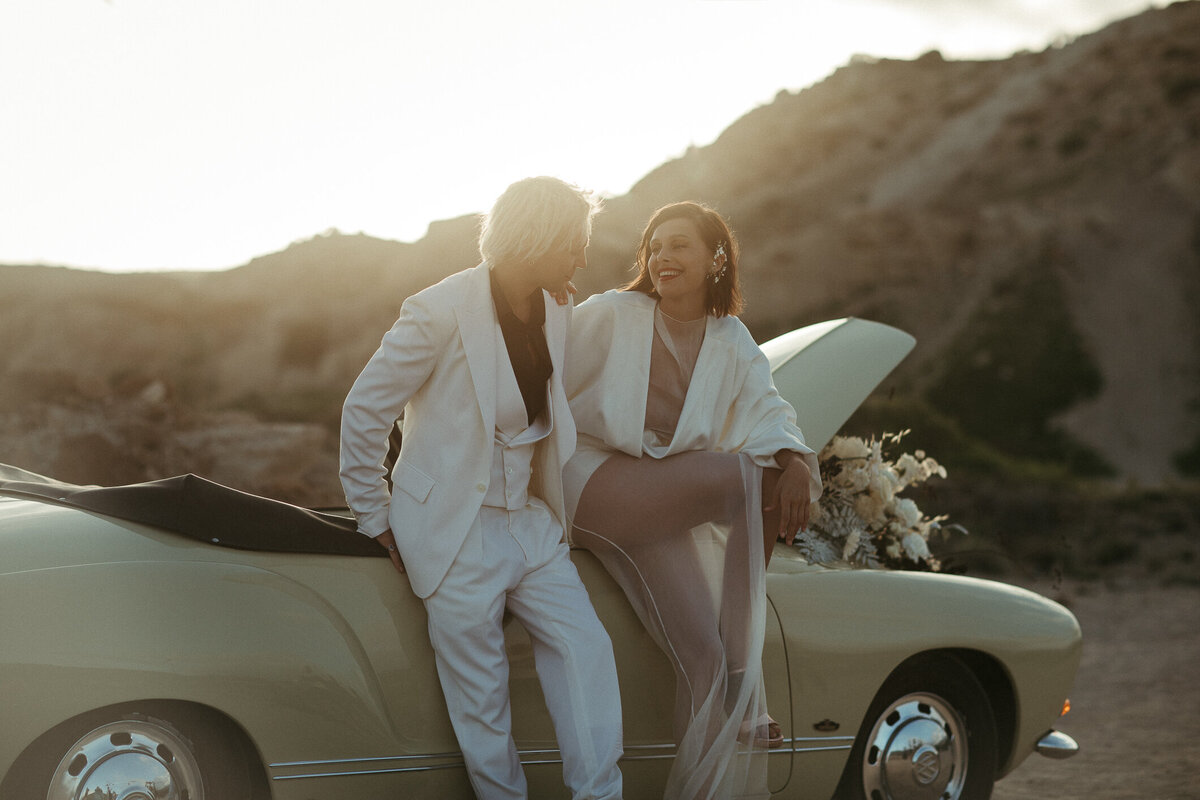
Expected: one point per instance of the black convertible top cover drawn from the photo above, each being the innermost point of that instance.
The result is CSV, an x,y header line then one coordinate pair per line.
x,y
203,510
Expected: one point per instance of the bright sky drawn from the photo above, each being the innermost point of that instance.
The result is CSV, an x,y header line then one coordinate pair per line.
x,y
175,134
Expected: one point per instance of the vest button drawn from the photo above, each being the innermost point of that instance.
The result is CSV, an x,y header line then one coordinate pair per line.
x,y
479,487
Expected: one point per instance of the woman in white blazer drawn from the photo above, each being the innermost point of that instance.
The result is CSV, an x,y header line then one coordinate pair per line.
x,y
688,462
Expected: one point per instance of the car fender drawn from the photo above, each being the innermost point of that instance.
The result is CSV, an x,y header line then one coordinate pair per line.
x,y
258,647
847,629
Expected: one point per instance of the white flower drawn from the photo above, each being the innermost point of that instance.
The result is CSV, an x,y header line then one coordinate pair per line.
x,y
882,487
846,447
907,512
908,468
861,517
871,508
915,547
855,479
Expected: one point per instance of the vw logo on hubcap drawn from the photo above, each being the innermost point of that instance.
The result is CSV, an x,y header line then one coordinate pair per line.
x,y
925,765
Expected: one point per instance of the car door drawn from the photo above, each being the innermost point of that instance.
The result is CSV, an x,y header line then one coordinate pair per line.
x,y
647,697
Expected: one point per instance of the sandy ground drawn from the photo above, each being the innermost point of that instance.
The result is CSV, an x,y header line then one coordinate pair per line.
x,y
1136,703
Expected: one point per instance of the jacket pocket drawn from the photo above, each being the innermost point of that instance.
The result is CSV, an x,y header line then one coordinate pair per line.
x,y
415,483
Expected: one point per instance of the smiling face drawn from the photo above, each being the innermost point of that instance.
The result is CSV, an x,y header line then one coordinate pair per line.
x,y
680,265
681,243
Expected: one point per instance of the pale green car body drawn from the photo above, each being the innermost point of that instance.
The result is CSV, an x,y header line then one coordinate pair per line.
x,y
319,666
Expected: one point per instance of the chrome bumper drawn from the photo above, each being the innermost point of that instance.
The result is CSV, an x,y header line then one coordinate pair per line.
x,y
1056,744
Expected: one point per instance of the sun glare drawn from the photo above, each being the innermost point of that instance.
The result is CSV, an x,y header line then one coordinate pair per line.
x,y
159,135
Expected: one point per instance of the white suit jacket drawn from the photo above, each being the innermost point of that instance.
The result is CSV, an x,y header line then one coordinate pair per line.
x,y
437,365
731,406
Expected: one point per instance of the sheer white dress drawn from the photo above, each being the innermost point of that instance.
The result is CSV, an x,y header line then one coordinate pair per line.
x,y
678,522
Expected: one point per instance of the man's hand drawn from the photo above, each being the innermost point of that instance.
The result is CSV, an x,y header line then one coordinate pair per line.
x,y
791,495
388,542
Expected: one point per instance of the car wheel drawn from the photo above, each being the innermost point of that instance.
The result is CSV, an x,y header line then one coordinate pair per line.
x,y
132,754
929,735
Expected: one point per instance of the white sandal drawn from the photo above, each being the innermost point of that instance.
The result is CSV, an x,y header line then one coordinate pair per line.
x,y
767,734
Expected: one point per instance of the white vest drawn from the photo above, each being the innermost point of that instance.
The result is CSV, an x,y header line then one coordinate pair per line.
x,y
512,450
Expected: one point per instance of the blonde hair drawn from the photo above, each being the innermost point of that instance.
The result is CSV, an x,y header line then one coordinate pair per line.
x,y
535,216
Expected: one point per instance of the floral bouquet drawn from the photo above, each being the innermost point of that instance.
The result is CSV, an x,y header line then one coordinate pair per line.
x,y
861,519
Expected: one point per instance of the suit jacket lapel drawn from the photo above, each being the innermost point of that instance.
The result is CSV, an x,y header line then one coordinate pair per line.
x,y
563,435
477,328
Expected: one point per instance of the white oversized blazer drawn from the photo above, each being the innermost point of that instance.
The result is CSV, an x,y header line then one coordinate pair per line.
x,y
731,405
438,365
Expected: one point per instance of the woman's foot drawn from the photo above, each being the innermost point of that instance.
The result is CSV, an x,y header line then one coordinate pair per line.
x,y
763,733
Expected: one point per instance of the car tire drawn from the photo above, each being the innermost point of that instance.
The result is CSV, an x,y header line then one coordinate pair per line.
x,y
930,734
138,753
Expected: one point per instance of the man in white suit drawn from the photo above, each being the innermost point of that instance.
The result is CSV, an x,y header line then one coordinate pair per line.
x,y
474,365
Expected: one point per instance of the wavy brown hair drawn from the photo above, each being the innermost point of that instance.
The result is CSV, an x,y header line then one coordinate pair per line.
x,y
723,298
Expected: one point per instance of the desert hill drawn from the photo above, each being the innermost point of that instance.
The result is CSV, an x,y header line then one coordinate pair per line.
x,y
1034,221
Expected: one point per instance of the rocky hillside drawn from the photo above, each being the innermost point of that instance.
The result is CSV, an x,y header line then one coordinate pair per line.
x,y
1034,221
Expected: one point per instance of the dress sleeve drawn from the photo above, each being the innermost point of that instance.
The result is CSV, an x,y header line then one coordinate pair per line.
x,y
606,369
764,422
588,344
400,366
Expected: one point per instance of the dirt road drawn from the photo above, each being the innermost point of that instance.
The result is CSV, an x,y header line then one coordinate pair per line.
x,y
1136,703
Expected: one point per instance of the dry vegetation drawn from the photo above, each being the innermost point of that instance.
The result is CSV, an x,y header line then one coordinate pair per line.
x,y
1034,221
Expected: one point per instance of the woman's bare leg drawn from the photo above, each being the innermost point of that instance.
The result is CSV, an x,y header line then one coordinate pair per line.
x,y
645,520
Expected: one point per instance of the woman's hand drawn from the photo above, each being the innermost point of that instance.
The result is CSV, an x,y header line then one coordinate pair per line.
x,y
791,495
388,542
563,297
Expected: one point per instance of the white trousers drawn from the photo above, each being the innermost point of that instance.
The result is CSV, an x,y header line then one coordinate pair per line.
x,y
517,559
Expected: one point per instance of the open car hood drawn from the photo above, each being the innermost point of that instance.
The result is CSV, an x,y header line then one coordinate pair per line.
x,y
826,370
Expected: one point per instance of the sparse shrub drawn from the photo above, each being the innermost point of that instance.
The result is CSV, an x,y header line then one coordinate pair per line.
x,y
1072,143
1046,559
1176,52
1113,550
1018,364
304,343
1181,577
1178,88
319,406
1187,461
39,386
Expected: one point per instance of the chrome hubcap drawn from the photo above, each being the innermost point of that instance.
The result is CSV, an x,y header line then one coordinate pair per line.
x,y
916,751
128,760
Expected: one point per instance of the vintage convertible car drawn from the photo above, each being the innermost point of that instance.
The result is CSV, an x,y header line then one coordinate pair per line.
x,y
178,639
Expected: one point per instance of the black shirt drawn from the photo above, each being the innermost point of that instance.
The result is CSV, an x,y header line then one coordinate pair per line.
x,y
526,345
